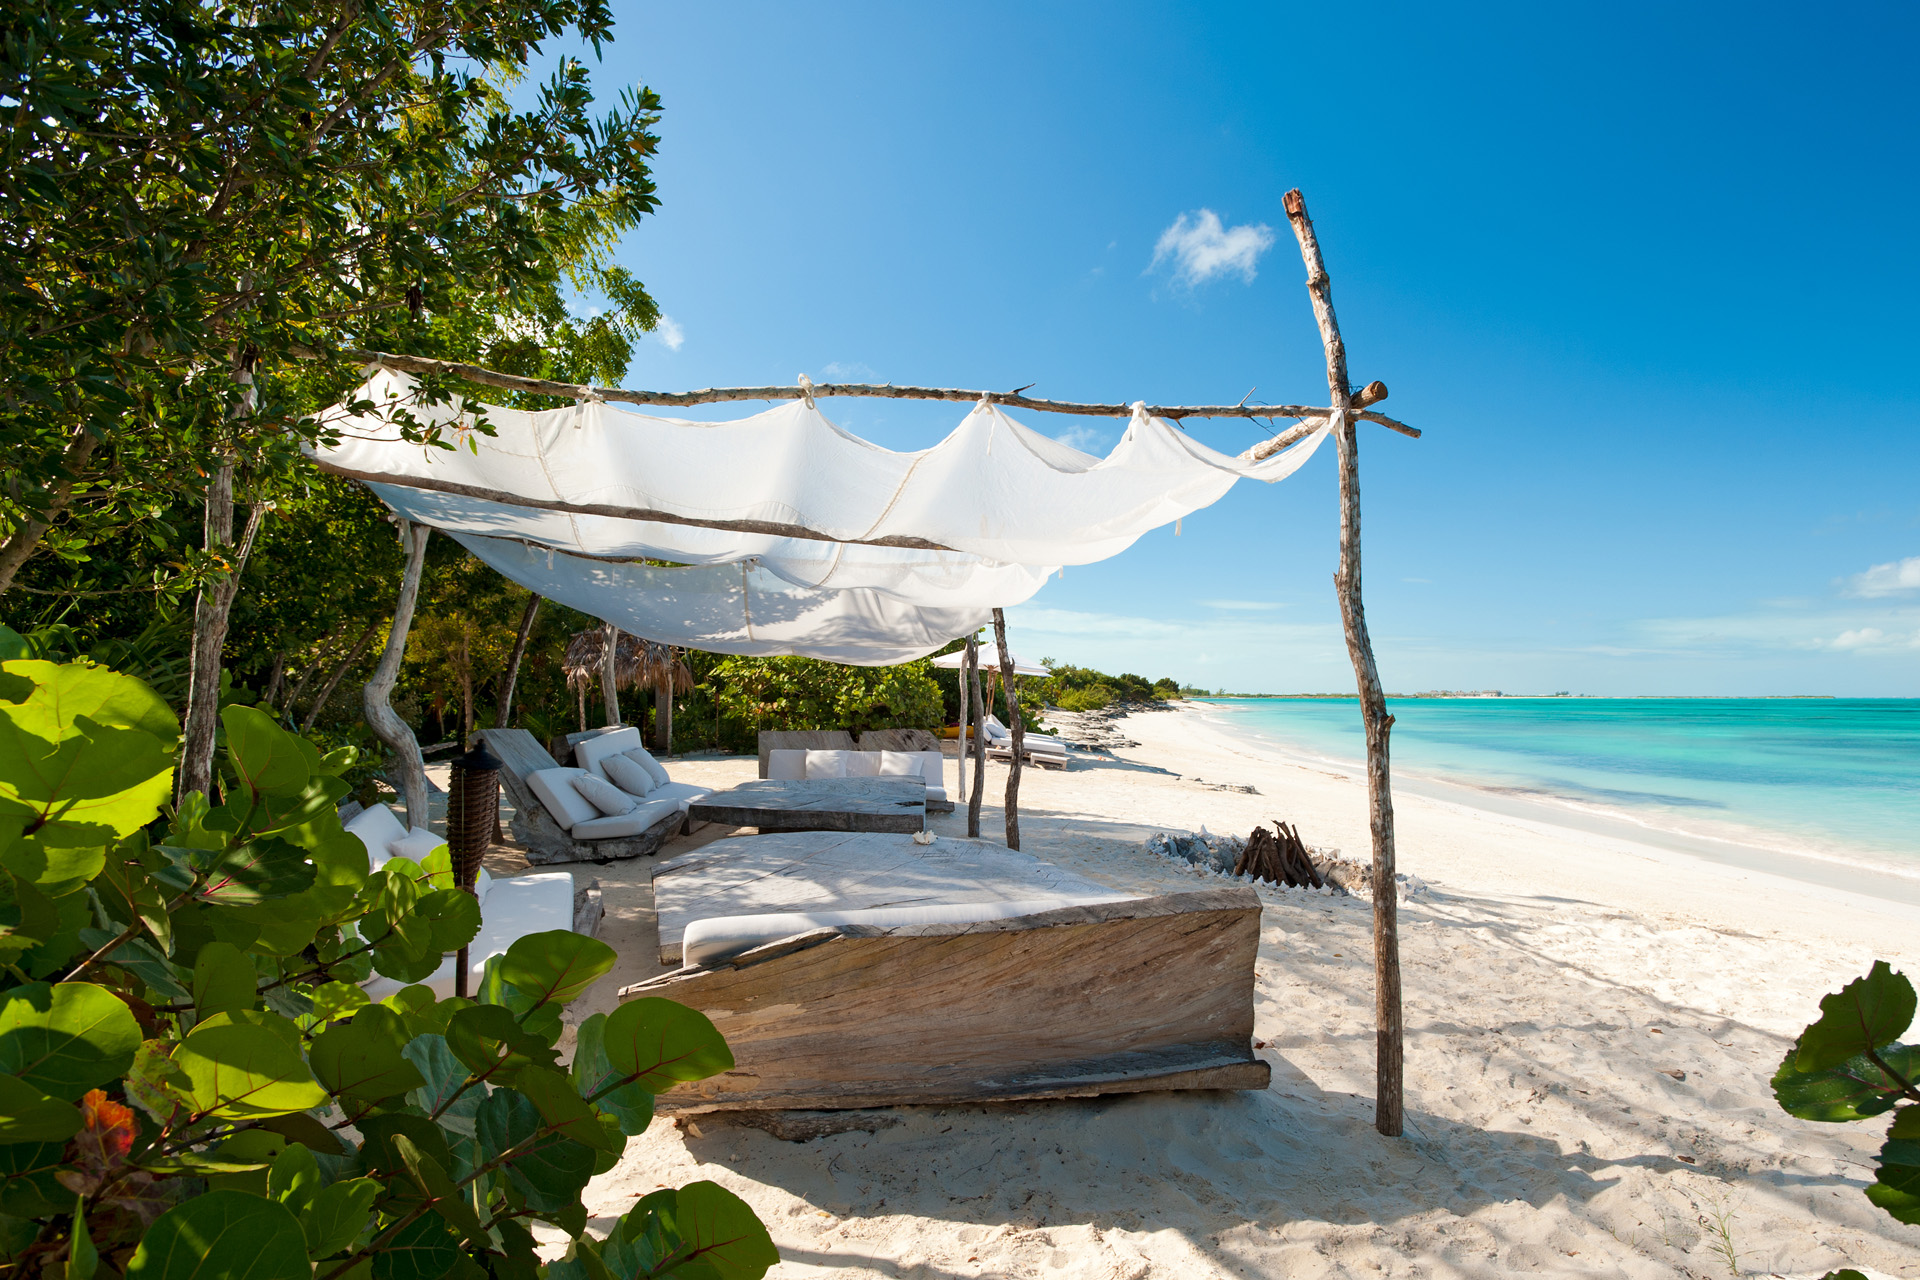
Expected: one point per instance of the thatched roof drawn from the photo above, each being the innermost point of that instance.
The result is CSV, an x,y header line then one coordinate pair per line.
x,y
638,662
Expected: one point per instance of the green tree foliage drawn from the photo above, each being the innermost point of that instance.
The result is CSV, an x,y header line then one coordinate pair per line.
x,y
752,694
1850,1065
192,1081
1083,689
192,198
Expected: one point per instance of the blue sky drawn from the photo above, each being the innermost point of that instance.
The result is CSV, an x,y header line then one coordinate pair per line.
x,y
1645,275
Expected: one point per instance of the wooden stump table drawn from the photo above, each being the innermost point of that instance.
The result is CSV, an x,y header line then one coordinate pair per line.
x,y
819,804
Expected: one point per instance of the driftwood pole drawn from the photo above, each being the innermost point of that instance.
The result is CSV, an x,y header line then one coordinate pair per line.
x,y
211,609
609,672
966,740
977,742
512,675
1016,725
663,712
1390,1033
375,700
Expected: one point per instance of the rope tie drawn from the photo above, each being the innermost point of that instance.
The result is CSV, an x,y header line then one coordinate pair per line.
x,y
806,392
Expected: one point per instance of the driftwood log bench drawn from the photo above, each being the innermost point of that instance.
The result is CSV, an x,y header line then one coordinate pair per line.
x,y
1088,997
543,839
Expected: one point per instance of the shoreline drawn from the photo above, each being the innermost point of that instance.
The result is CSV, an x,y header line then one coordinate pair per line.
x,y
1856,872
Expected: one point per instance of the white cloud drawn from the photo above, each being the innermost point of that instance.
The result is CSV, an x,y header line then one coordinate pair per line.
x,y
1891,579
1243,604
669,334
847,371
1200,247
1869,640
1085,439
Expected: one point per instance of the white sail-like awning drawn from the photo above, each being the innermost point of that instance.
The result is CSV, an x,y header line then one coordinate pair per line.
x,y
885,553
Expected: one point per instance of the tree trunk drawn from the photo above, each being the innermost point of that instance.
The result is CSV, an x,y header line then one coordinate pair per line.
x,y
409,769
512,676
978,744
20,544
276,680
466,687
966,737
1016,724
333,680
1390,1045
663,715
211,608
609,673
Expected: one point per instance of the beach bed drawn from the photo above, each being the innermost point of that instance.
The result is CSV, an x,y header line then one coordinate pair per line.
x,y
864,970
824,804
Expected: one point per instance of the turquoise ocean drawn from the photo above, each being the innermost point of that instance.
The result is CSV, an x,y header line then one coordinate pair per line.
x,y
1817,786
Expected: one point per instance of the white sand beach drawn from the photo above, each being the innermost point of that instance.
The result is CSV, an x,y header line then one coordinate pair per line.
x,y
1591,1029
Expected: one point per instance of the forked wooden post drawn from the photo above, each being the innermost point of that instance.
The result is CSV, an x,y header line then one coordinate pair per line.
x,y
976,741
1015,725
610,672
1389,1100
505,708
409,769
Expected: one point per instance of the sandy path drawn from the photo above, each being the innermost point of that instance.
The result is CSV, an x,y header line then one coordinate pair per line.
x,y
1592,1026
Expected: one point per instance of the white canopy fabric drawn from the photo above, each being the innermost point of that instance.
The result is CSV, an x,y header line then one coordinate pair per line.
x,y
732,608
921,544
990,661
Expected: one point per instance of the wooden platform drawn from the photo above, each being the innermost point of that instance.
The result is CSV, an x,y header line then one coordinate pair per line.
x,y
1112,997
819,804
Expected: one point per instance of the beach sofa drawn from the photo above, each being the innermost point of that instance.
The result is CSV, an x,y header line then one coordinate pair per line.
x,y
511,907
1038,748
793,764
615,801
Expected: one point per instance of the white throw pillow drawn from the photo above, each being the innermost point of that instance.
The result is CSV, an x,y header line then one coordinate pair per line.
x,y
628,775
786,764
863,764
604,796
416,844
644,758
826,764
899,764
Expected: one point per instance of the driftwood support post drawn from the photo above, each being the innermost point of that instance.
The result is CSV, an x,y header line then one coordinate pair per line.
x,y
1389,1099
966,739
609,673
977,741
409,769
512,675
1015,725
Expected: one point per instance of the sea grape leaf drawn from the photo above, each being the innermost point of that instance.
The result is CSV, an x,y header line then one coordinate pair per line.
x,y
245,1071
335,1000
88,754
1897,1189
223,980
228,1234
28,1115
258,871
565,1111
1853,1090
27,1185
660,1043
1865,1014
13,646
266,758
365,1058
379,1131
65,1039
443,1075
701,1229
294,1179
556,966
581,1262
83,1257
131,891
52,870
492,1044
549,1173
424,1249
430,1179
336,1215
629,1105
452,917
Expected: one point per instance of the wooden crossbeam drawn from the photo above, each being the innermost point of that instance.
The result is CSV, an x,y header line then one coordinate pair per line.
x,y
1372,393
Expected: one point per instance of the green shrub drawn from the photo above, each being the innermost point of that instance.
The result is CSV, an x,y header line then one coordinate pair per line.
x,y
1091,698
194,1084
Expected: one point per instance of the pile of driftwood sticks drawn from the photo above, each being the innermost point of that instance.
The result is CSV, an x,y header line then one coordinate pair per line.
x,y
1281,858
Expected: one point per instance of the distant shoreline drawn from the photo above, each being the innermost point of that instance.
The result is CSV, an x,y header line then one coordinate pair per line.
x,y
1520,697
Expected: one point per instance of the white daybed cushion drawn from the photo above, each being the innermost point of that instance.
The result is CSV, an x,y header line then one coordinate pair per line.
x,y
900,764
417,844
642,816
377,828
626,773
589,752
510,908
682,794
933,767
555,789
644,758
604,796
827,764
785,764
712,940
863,764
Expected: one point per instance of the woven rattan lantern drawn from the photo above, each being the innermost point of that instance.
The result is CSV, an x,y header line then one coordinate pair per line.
x,y
473,815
